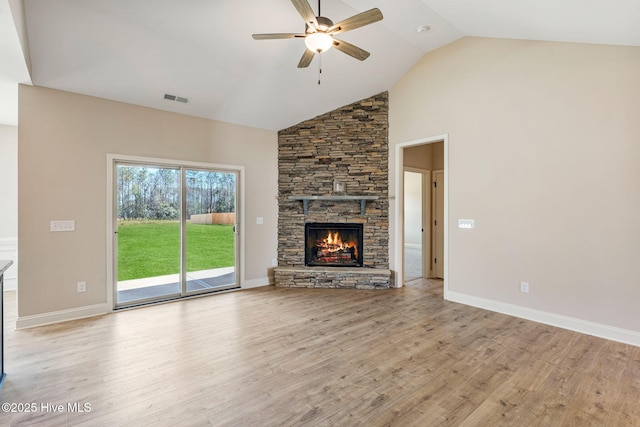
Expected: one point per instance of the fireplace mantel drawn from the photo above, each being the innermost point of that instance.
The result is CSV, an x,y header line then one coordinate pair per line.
x,y
305,200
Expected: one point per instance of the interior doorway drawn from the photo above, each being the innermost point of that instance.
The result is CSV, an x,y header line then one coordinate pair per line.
x,y
428,158
417,230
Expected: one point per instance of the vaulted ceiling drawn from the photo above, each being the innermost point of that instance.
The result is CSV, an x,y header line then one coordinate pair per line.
x,y
136,51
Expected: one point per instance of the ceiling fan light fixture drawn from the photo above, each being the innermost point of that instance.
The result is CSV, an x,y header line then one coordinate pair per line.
x,y
318,42
319,32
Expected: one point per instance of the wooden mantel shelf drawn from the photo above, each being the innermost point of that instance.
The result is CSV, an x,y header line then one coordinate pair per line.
x,y
305,200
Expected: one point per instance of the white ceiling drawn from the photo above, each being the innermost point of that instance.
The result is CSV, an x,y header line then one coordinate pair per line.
x,y
135,51
13,68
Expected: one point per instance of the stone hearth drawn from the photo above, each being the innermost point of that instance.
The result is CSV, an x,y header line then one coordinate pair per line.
x,y
332,277
350,146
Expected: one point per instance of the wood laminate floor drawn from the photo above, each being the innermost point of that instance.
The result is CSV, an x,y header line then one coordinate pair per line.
x,y
317,357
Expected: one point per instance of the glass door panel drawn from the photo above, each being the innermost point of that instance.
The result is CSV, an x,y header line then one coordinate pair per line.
x,y
148,233
210,230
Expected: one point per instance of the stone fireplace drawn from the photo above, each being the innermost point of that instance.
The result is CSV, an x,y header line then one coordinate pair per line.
x,y
349,147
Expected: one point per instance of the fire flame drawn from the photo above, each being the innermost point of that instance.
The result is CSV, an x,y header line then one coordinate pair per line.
x,y
334,239
331,249
333,243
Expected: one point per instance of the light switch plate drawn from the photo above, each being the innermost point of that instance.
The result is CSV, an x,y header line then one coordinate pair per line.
x,y
466,223
66,225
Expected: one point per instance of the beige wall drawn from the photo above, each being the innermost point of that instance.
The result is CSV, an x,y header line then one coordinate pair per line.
x,y
63,145
425,156
420,156
544,154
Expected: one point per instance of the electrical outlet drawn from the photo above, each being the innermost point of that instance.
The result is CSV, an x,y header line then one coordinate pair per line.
x,y
274,262
82,286
524,287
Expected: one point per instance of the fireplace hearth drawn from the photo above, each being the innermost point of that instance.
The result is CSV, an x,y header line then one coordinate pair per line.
x,y
333,244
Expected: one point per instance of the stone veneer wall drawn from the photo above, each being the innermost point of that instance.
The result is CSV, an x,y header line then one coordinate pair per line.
x,y
350,145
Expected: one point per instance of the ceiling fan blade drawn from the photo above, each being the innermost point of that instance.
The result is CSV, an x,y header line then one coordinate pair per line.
x,y
357,21
276,36
350,49
304,9
306,59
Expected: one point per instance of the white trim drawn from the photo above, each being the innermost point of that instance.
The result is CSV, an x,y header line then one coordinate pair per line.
x,y
417,170
399,207
413,246
434,196
62,316
111,214
578,325
256,283
8,244
9,250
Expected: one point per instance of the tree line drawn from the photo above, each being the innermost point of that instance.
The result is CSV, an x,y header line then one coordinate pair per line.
x,y
154,193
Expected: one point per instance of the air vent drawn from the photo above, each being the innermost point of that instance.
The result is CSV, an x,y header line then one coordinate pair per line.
x,y
169,97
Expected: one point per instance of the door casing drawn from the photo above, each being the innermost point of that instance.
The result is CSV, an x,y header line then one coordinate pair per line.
x,y
437,225
398,213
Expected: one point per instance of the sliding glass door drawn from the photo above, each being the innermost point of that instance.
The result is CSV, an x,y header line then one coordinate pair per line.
x,y
175,232
210,244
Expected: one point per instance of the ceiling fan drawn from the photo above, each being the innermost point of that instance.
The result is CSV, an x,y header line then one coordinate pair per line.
x,y
319,32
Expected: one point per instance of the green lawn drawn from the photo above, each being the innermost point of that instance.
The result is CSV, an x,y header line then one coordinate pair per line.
x,y
147,249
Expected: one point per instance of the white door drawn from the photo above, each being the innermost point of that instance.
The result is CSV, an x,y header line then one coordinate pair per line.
x,y
437,242
413,225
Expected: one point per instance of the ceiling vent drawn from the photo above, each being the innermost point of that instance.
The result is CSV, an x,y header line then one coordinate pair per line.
x,y
175,98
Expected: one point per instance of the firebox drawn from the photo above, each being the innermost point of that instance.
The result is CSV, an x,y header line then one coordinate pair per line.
x,y
333,244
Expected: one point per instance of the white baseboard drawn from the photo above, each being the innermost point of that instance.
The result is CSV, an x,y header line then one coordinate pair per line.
x,y
613,333
256,283
8,244
94,310
413,245
62,316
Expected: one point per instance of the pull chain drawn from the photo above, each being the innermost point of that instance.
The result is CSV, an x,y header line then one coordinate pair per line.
x,y
319,55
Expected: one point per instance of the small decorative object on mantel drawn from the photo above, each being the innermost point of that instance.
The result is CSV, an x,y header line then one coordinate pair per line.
x,y
339,187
